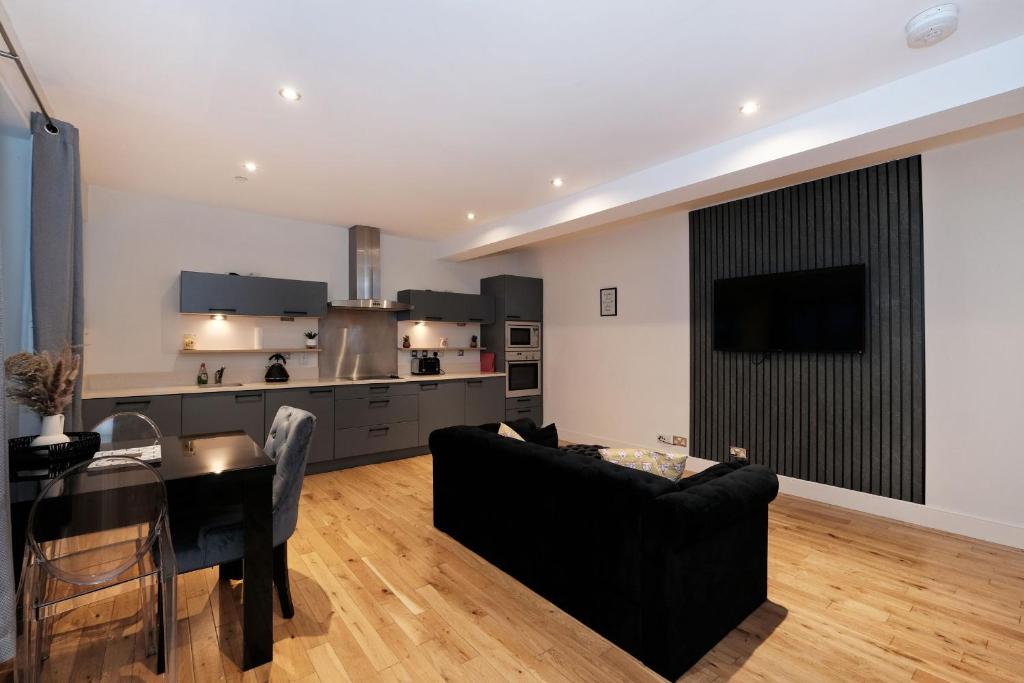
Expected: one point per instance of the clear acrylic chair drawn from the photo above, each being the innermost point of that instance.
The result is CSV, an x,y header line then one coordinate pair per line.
x,y
127,427
97,531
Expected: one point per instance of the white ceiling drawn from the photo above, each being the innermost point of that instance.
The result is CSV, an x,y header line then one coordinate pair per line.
x,y
414,112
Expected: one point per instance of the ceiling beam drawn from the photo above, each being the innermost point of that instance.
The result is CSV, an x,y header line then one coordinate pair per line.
x,y
973,90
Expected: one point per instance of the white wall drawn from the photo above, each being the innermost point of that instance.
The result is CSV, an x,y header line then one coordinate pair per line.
x,y
623,380
974,320
136,245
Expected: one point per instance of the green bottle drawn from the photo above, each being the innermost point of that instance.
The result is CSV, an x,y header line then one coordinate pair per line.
x,y
202,377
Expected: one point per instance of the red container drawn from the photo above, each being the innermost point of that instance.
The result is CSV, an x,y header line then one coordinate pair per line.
x,y
486,361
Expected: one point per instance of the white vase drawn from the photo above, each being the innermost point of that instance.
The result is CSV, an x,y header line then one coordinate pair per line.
x,y
52,431
311,343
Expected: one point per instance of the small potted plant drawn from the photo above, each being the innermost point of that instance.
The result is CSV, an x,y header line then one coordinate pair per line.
x,y
472,342
44,382
405,341
311,339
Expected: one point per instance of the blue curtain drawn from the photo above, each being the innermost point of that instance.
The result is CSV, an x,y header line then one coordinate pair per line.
x,y
57,301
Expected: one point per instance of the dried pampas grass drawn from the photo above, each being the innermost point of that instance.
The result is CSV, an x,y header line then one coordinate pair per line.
x,y
44,381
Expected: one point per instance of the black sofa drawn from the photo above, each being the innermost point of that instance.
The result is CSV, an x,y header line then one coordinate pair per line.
x,y
662,569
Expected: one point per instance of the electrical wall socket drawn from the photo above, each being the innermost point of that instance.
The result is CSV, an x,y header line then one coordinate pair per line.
x,y
738,452
678,440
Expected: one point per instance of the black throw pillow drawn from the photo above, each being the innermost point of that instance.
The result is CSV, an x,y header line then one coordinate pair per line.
x,y
545,436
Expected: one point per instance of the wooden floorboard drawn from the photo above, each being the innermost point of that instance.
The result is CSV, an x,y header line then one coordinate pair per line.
x,y
380,595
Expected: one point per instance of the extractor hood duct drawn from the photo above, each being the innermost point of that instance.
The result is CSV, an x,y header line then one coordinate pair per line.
x,y
364,273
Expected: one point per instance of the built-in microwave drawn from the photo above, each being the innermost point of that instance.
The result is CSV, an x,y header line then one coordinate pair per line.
x,y
522,373
522,336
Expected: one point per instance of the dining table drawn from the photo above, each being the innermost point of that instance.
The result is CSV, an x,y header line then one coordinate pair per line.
x,y
222,469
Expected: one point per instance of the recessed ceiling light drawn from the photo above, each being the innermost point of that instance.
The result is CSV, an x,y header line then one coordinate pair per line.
x,y
749,108
250,166
470,216
290,94
557,182
241,179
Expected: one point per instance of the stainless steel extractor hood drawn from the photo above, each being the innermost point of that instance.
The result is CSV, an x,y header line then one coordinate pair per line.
x,y
364,273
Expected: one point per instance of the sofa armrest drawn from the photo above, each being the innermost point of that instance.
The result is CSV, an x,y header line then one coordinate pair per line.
x,y
685,516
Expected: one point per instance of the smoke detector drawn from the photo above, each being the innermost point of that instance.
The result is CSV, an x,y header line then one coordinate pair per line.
x,y
932,26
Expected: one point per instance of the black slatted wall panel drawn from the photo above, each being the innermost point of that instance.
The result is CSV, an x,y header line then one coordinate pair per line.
x,y
850,420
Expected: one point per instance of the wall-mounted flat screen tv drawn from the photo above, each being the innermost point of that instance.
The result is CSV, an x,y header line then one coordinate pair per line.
x,y
819,310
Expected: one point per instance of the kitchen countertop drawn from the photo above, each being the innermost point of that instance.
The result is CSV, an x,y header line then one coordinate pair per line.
x,y
263,386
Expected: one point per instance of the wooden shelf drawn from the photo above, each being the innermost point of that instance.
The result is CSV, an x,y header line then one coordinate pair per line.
x,y
442,348
301,349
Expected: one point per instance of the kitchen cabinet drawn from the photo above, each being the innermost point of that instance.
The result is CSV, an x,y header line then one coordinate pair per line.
x,y
250,295
441,404
535,412
165,411
485,400
515,297
225,411
375,410
316,400
447,306
371,439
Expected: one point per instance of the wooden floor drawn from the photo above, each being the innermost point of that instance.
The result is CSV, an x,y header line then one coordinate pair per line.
x,y
382,596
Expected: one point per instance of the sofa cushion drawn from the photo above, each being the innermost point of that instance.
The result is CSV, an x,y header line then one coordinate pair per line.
x,y
710,474
665,465
527,428
508,432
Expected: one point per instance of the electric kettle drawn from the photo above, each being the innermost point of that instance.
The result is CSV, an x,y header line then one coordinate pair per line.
x,y
276,371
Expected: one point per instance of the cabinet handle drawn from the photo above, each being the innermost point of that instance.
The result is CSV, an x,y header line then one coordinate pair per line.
x,y
381,401
223,310
321,391
287,312
433,317
514,317
378,429
476,320
143,402
381,389
524,411
248,398
474,381
523,400
428,387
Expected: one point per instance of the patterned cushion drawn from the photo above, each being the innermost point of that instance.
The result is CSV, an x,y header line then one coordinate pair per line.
x,y
505,430
662,464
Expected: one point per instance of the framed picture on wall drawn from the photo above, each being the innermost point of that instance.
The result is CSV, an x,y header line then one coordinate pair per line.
x,y
610,301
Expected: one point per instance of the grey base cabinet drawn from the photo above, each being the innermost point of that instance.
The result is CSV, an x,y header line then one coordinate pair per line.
x,y
441,404
165,411
317,400
485,400
525,406
354,441
224,412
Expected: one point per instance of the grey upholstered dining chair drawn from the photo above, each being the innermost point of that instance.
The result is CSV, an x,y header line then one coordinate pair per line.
x,y
217,536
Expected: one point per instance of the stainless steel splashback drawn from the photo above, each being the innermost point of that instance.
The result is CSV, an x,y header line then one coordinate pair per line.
x,y
358,344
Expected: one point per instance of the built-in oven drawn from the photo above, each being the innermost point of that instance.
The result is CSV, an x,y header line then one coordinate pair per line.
x,y
522,336
522,373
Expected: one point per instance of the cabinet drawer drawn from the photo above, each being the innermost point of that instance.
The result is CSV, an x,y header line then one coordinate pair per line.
x,y
224,412
374,390
165,411
317,400
355,441
523,402
535,413
374,410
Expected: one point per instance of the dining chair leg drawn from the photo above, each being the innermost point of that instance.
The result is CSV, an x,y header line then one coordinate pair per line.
x,y
231,571
284,591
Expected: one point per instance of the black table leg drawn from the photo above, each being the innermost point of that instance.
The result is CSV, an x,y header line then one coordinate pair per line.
x,y
258,568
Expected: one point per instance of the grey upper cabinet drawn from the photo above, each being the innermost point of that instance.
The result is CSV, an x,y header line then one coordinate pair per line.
x,y
165,411
316,400
441,404
447,306
248,295
485,400
226,411
515,297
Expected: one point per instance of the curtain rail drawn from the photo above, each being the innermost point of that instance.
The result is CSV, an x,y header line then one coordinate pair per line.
x,y
12,54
